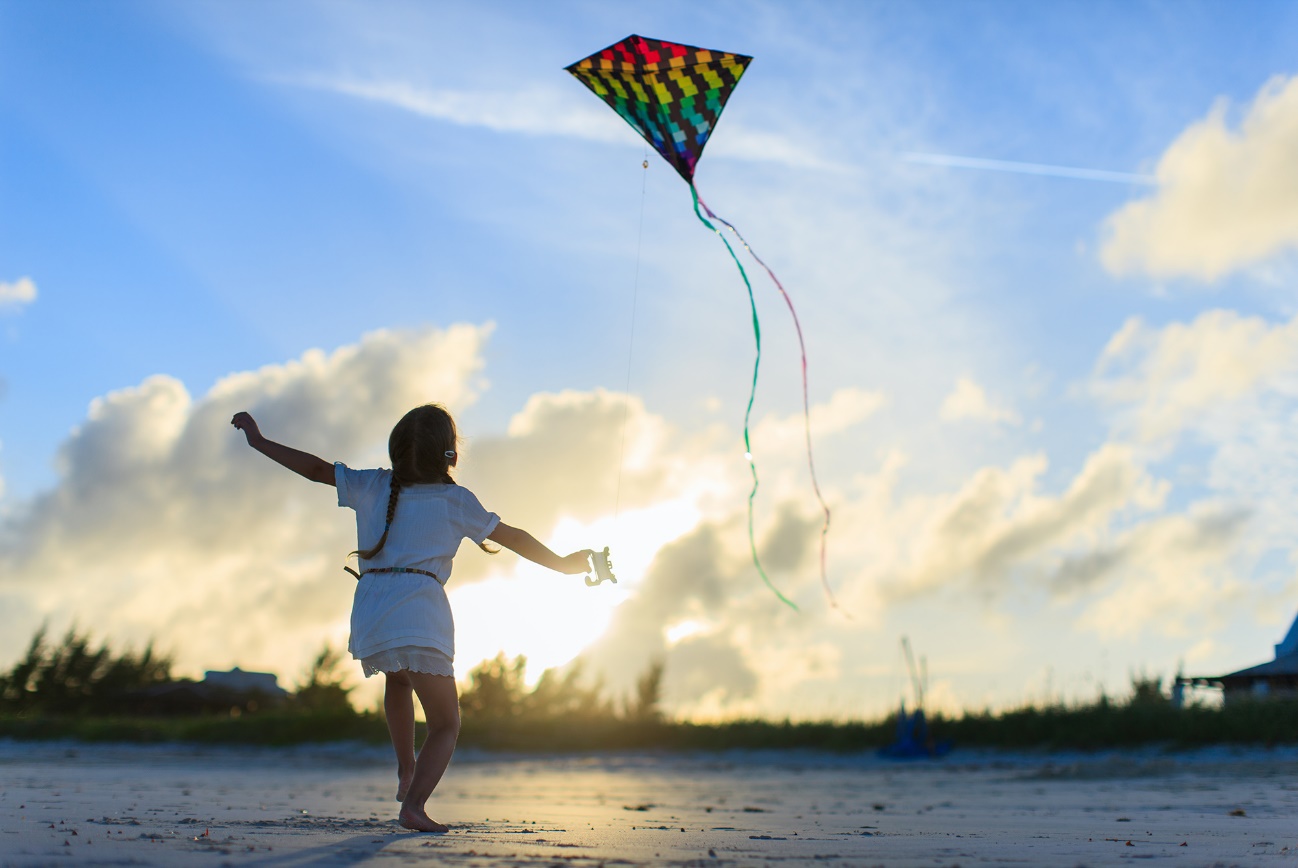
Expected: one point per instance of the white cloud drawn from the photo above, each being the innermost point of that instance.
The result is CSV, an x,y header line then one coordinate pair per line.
x,y
164,523
533,111
998,529
547,111
1190,374
18,294
1106,554
564,456
1216,398
970,401
1226,198
785,437
1172,576
1077,172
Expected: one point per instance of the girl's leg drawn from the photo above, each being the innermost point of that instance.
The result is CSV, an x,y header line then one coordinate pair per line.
x,y
399,708
442,711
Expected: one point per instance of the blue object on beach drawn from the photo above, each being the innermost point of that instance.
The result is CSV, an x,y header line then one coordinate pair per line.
x,y
913,740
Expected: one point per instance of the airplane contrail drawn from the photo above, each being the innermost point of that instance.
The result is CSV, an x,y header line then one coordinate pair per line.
x,y
950,160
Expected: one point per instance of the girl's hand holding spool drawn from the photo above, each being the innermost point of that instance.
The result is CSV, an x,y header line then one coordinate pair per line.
x,y
577,562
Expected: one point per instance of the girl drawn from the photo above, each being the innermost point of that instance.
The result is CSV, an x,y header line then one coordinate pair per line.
x,y
414,516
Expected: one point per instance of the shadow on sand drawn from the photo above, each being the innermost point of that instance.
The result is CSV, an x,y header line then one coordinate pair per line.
x,y
349,851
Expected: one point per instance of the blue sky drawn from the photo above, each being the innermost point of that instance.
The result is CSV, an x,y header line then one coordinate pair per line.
x,y
1051,411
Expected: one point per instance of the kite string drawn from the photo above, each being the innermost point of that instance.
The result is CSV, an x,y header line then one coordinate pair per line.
x,y
752,395
635,292
806,406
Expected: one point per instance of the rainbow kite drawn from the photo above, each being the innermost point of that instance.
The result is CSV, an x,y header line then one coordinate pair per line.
x,y
673,94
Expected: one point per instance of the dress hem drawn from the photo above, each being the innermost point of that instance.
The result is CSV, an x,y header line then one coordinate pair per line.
x,y
409,658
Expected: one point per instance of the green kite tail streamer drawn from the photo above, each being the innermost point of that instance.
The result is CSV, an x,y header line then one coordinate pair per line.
x,y
752,396
806,403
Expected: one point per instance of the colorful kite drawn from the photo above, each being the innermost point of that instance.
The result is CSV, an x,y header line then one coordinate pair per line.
x,y
673,94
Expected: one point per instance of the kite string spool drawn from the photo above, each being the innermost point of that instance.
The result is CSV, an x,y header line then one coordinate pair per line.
x,y
806,404
752,395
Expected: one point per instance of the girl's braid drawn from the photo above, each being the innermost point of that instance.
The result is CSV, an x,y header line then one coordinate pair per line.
x,y
395,492
400,448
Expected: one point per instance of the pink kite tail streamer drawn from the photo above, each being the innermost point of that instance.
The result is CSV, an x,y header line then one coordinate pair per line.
x,y
752,394
806,406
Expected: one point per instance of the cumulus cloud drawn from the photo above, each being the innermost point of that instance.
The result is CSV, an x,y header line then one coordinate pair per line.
x,y
1162,381
1225,386
164,523
1101,546
970,401
846,408
18,294
998,528
1176,574
707,669
570,443
705,582
1226,198
701,607
580,455
1175,545
1107,553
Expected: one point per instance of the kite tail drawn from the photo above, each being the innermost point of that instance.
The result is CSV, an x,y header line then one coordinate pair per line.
x,y
806,407
752,395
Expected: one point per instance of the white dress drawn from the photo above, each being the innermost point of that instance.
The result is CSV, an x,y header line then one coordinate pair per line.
x,y
403,620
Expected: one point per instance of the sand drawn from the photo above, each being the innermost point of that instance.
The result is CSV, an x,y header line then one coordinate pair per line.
x,y
71,804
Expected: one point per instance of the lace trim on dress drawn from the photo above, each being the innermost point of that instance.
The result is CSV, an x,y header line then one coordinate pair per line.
x,y
412,657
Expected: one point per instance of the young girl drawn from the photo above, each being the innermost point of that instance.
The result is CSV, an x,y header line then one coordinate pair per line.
x,y
414,517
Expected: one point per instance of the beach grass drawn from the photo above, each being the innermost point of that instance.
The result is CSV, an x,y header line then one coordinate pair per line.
x,y
1091,727
71,690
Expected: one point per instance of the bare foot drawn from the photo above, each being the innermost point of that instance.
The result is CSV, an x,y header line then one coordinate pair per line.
x,y
403,783
418,821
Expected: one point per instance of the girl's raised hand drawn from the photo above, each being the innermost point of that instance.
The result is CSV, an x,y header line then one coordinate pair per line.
x,y
577,562
248,425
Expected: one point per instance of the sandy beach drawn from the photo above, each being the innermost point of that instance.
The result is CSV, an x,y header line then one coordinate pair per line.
x,y
74,804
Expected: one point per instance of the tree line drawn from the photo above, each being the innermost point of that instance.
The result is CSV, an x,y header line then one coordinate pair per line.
x,y
76,677
76,688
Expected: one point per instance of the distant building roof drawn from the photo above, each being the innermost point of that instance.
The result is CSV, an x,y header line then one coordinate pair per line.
x,y
1290,644
217,692
238,681
1284,667
1287,665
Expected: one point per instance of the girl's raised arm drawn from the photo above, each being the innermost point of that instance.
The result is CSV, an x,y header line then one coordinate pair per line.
x,y
520,541
302,463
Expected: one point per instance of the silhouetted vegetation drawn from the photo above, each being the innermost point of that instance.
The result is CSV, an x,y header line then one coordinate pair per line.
x,y
561,712
323,690
73,690
71,678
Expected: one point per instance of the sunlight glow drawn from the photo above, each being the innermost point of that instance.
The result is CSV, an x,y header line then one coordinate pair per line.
x,y
544,617
677,633
549,618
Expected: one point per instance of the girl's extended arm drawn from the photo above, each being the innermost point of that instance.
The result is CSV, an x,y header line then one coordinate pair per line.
x,y
303,463
520,541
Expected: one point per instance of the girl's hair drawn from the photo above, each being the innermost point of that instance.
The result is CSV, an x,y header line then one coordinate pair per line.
x,y
420,446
